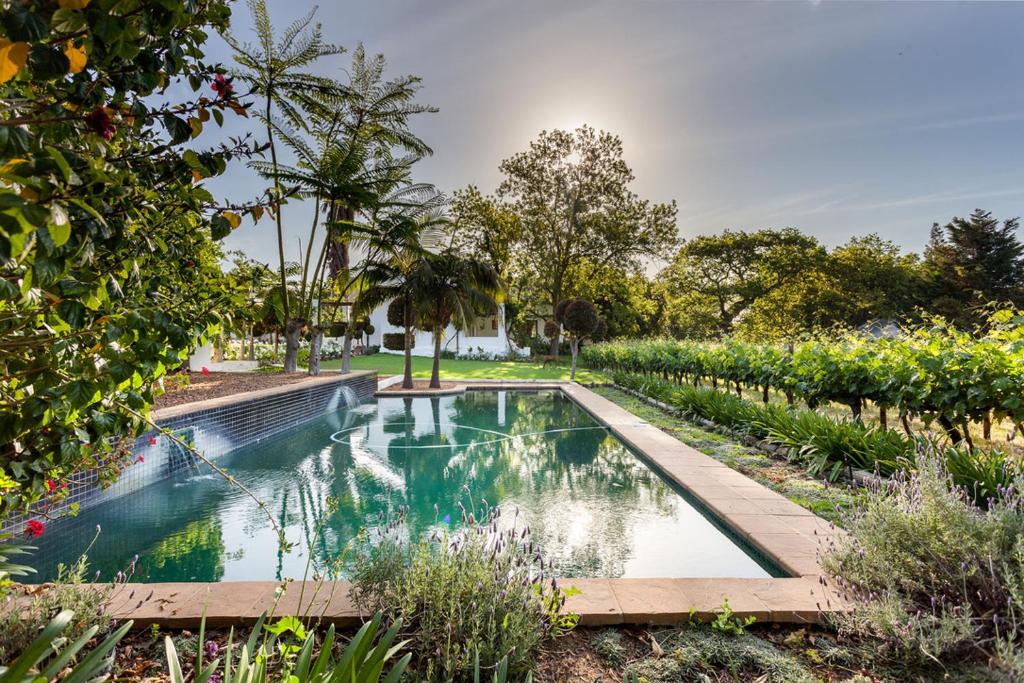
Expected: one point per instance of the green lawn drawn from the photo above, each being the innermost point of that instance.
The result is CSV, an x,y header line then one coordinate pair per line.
x,y
392,364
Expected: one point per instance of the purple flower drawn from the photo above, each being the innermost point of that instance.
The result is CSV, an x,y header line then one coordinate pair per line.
x,y
211,649
447,519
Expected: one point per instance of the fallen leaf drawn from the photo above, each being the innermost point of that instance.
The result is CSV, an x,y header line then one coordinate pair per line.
x,y
656,649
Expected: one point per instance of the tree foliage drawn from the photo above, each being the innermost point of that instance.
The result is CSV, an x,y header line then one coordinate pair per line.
x,y
110,272
571,193
972,261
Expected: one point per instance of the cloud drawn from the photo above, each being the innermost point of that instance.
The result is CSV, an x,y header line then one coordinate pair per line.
x,y
970,121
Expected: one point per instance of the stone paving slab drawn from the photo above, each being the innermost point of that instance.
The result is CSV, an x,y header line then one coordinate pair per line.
x,y
599,602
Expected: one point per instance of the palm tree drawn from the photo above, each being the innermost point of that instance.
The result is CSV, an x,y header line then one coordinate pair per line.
x,y
276,70
449,288
395,253
353,149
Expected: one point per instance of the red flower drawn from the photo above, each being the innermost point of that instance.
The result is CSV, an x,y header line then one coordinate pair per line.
x,y
152,441
51,485
140,459
98,121
34,528
222,86
206,372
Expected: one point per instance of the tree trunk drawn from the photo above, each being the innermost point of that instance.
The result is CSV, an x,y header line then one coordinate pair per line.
x,y
739,390
315,343
435,371
789,398
277,343
407,377
883,417
346,350
986,427
764,394
292,331
951,431
905,421
574,345
856,407
252,342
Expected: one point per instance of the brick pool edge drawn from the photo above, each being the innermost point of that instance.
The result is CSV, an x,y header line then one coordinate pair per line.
x,y
787,534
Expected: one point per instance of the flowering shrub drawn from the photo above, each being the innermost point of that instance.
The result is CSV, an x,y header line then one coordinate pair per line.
x,y
933,576
109,268
479,592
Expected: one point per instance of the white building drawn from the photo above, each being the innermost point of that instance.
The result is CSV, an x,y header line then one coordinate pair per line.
x,y
484,335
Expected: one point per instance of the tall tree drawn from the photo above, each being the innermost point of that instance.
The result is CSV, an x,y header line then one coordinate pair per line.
x,y
970,262
353,150
571,193
730,271
276,69
485,229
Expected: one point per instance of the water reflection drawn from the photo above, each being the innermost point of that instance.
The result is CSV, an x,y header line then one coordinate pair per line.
x,y
594,507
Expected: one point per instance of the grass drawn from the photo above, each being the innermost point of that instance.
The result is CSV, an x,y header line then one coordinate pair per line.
x,y
826,500
393,364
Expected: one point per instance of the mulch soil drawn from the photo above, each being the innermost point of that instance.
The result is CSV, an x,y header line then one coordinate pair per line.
x,y
418,385
201,387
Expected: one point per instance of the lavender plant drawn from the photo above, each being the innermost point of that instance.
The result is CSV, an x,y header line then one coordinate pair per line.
x,y
470,598
932,575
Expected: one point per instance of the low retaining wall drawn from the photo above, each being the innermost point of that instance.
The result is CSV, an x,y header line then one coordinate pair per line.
x,y
216,427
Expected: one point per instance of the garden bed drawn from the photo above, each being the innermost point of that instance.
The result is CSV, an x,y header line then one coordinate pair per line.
x,y
203,386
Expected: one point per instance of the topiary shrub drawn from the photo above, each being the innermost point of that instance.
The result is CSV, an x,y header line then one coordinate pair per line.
x,y
560,309
580,318
395,341
396,312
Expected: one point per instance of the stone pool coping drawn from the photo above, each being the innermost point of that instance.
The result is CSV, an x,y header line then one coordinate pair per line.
x,y
787,534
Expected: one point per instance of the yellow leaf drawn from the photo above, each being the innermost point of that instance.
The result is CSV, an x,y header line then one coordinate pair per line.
x,y
76,57
196,125
196,175
11,165
29,194
73,4
257,213
12,58
233,219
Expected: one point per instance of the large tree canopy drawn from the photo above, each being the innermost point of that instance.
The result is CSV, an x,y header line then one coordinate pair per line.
x,y
721,276
571,193
970,262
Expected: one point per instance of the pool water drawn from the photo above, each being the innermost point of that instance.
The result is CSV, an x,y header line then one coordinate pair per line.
x,y
595,507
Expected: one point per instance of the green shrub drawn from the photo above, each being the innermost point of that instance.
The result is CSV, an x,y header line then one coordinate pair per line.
x,y
478,592
395,341
20,622
285,651
933,576
52,653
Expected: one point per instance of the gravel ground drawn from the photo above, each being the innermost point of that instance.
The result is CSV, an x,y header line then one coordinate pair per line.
x,y
200,387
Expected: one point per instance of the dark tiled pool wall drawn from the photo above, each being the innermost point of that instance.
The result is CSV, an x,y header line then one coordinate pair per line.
x,y
214,431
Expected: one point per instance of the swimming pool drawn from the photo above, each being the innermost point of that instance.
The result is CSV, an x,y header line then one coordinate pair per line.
x,y
596,508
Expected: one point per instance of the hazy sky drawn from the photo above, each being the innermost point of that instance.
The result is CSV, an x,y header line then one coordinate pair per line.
x,y
838,119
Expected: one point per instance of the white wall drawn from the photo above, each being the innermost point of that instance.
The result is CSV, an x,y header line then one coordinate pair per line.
x,y
451,341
